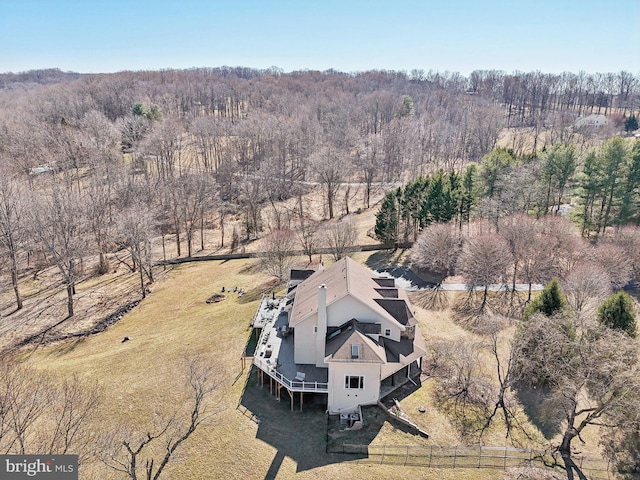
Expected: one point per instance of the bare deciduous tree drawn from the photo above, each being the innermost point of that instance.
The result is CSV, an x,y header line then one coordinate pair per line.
x,y
616,262
146,455
583,373
329,168
628,238
193,194
586,286
464,390
251,195
98,204
165,144
437,248
569,248
369,163
277,255
135,226
307,233
41,413
59,225
484,261
340,238
11,228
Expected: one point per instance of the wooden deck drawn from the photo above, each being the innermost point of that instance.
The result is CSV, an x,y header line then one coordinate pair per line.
x,y
274,353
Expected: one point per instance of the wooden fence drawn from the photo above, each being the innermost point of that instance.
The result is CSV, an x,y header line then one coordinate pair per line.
x,y
467,457
239,256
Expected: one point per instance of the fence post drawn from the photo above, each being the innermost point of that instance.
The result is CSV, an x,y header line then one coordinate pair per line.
x,y
384,451
505,459
430,455
455,456
479,456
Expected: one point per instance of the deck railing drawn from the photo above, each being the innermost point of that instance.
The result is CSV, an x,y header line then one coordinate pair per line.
x,y
292,385
255,315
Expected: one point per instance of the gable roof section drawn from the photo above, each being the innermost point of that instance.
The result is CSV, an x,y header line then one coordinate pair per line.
x,y
342,278
388,292
366,328
398,309
405,348
338,349
385,282
306,299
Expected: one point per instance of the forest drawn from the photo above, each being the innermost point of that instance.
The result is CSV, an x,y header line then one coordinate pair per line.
x,y
497,178
177,152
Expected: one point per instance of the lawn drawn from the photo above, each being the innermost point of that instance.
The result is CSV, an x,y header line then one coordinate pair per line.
x,y
260,439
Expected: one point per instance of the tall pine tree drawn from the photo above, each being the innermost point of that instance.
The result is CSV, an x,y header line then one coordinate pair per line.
x,y
386,228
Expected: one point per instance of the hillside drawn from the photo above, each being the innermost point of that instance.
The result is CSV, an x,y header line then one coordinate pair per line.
x,y
252,436
142,377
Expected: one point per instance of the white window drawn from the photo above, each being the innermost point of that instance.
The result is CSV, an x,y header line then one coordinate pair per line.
x,y
387,332
354,382
315,329
355,350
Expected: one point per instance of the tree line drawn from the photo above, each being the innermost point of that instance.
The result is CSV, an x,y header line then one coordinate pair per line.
x,y
442,197
601,188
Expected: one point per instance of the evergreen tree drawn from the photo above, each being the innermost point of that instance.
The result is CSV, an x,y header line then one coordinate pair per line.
x,y
412,198
426,200
631,124
407,108
559,166
549,302
418,194
630,200
433,207
614,155
386,228
617,312
466,197
591,180
494,166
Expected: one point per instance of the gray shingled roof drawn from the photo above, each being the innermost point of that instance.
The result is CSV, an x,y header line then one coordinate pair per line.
x,y
338,349
342,278
385,282
388,292
398,309
297,274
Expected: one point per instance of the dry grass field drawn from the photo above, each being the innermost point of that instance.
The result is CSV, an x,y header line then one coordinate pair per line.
x,y
253,436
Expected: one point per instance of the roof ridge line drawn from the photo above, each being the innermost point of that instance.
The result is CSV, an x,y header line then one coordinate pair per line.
x,y
346,272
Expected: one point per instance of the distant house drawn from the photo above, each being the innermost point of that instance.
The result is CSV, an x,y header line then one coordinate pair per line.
x,y
344,332
40,170
593,120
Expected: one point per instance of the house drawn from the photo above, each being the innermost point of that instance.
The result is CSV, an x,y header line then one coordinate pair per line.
x,y
593,120
344,332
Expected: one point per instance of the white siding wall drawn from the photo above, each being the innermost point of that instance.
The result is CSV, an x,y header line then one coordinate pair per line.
x,y
341,399
395,331
347,308
305,341
338,313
